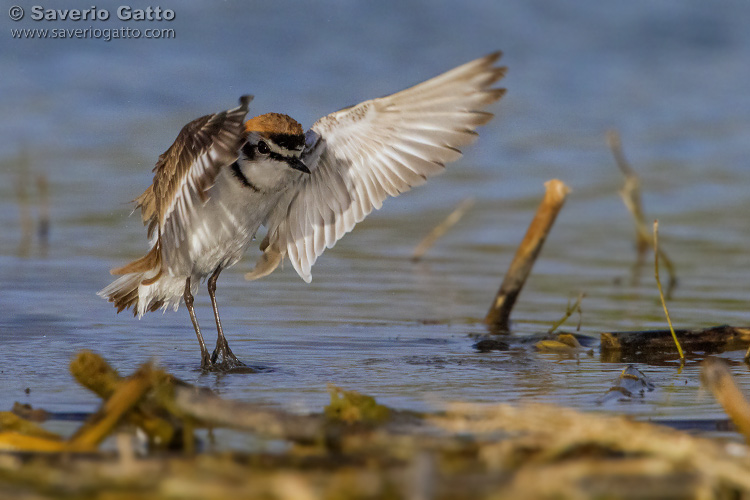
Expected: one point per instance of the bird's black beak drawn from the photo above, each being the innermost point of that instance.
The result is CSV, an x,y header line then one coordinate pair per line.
x,y
297,164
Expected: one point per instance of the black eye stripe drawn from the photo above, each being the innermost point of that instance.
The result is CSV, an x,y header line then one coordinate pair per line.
x,y
252,151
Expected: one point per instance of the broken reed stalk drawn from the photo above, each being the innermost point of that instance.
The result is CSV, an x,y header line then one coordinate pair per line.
x,y
499,314
569,312
42,186
24,205
442,228
716,377
95,374
631,197
630,192
661,293
101,424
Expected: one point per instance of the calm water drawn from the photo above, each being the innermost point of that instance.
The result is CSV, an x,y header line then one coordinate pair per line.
x,y
93,116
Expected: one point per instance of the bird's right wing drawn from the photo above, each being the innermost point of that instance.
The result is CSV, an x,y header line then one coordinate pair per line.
x,y
184,173
382,147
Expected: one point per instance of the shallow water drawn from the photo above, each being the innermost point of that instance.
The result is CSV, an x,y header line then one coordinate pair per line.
x,y
93,116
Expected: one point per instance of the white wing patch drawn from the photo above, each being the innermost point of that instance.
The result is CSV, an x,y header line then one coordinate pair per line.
x,y
361,155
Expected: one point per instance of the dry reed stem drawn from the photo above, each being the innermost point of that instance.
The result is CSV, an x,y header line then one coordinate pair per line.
x,y
125,397
215,411
661,292
93,372
43,226
24,205
716,376
442,228
554,197
631,197
630,192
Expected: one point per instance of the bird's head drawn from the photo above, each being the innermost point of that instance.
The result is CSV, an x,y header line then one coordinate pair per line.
x,y
275,138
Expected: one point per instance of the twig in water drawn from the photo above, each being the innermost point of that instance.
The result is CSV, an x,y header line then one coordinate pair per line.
x,y
631,196
439,230
569,312
498,316
661,293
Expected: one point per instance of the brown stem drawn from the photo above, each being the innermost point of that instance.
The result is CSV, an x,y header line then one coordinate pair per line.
x,y
498,316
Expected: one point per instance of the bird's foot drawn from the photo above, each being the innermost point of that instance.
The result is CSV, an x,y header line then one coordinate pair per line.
x,y
206,362
223,360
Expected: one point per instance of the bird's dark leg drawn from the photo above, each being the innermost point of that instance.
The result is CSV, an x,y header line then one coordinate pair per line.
x,y
188,298
222,346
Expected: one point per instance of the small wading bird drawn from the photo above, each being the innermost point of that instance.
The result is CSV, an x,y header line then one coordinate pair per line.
x,y
222,179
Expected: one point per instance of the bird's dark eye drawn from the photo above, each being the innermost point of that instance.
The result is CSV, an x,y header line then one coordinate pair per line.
x,y
263,148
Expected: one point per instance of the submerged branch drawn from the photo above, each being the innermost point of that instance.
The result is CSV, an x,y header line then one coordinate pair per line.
x,y
708,340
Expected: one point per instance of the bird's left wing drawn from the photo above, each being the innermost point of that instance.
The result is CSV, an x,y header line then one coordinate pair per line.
x,y
361,155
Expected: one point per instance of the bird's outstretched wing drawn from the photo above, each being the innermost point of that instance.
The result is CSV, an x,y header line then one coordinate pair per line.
x,y
185,172
382,147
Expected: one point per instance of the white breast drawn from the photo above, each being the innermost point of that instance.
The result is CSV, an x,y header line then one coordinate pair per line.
x,y
224,226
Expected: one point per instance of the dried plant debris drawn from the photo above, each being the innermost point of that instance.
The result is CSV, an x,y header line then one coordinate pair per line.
x,y
631,383
358,448
561,453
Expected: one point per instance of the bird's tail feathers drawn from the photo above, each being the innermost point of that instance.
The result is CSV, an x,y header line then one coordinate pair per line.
x,y
124,291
